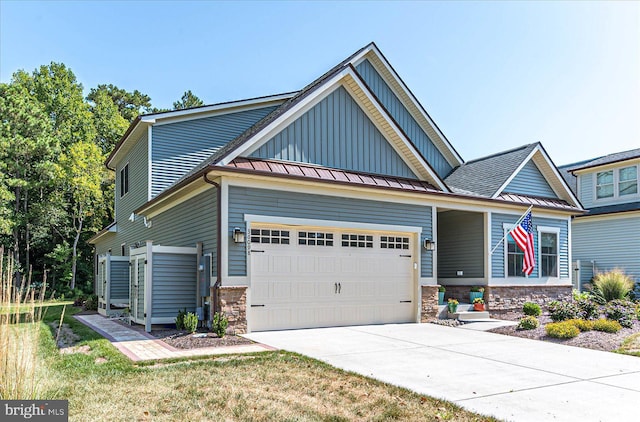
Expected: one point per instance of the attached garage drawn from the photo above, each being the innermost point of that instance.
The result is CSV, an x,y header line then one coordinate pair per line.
x,y
305,276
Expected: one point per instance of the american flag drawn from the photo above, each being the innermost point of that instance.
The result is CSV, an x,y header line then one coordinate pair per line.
x,y
523,235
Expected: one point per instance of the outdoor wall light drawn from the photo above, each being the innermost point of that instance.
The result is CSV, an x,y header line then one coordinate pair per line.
x,y
429,245
238,235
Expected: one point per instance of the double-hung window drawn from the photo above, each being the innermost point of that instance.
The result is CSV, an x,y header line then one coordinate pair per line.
x,y
515,258
548,254
124,180
628,180
617,183
604,184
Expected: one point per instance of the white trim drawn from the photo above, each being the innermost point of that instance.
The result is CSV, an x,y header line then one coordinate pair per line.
x,y
606,217
372,49
223,230
148,287
236,280
184,250
150,162
411,157
215,109
616,198
427,281
310,222
488,268
515,173
506,228
556,231
434,234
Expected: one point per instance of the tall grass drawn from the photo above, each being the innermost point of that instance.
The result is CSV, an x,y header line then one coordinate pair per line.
x,y
20,315
612,285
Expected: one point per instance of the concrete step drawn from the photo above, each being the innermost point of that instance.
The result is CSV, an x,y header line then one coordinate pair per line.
x,y
470,315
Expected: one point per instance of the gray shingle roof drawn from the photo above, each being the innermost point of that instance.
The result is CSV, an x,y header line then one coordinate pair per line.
x,y
484,176
607,159
612,209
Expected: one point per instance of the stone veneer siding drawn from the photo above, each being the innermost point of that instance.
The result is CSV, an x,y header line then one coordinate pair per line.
x,y
505,299
233,303
461,293
429,304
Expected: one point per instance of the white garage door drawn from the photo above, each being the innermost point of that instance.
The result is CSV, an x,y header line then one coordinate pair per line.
x,y
314,277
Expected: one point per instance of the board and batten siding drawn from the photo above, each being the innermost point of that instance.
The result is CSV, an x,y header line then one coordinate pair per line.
x,y
192,221
174,284
404,119
611,242
497,231
179,147
336,133
119,280
460,244
254,201
529,181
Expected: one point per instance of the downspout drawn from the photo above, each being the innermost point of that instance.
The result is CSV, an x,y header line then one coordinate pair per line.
x,y
216,285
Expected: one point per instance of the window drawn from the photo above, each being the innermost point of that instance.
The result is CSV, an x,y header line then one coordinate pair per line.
x,y
548,254
357,241
604,184
628,180
124,180
515,258
394,242
315,239
280,237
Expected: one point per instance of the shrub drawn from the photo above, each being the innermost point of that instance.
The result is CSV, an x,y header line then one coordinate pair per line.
x,y
613,284
528,323
220,324
622,311
477,289
531,309
563,329
581,324
190,322
606,325
577,295
180,319
588,309
562,311
91,304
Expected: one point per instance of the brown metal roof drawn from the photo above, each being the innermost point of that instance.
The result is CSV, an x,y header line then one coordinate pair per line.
x,y
537,201
307,171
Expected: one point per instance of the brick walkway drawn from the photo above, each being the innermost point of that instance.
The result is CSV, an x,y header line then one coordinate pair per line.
x,y
139,346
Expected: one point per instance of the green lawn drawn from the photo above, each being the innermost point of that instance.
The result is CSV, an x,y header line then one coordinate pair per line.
x,y
104,385
631,345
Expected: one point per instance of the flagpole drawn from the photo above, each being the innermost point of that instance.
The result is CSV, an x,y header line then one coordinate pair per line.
x,y
512,227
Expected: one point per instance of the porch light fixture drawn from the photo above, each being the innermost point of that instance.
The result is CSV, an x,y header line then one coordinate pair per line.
x,y
429,245
238,235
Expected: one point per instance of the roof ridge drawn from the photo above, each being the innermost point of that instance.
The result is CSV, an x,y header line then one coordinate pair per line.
x,y
497,154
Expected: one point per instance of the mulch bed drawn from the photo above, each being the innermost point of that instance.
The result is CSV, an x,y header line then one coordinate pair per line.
x,y
597,340
201,338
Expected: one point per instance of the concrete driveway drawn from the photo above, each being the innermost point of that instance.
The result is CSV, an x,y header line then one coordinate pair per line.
x,y
507,377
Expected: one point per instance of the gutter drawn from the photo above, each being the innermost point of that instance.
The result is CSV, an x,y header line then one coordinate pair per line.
x,y
216,285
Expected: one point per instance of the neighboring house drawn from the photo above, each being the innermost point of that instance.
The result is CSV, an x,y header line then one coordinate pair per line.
x,y
608,235
339,204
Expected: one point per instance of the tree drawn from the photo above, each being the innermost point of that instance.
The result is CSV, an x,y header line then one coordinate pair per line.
x,y
109,123
81,170
188,100
129,104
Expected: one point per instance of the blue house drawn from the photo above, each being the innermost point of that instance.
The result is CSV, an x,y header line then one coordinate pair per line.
x,y
339,204
607,236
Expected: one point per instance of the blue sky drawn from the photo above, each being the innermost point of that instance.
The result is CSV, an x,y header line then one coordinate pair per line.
x,y
493,75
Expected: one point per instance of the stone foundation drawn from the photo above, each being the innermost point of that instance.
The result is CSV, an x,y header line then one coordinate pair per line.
x,y
233,303
429,304
505,299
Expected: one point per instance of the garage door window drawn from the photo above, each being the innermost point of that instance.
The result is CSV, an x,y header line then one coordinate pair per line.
x,y
315,239
270,236
394,242
357,241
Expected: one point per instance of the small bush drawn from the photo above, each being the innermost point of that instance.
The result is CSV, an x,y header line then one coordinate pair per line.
x,y
562,311
442,289
477,289
528,323
607,326
581,324
91,304
613,284
220,324
577,295
588,309
180,319
190,322
531,309
563,329
622,311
